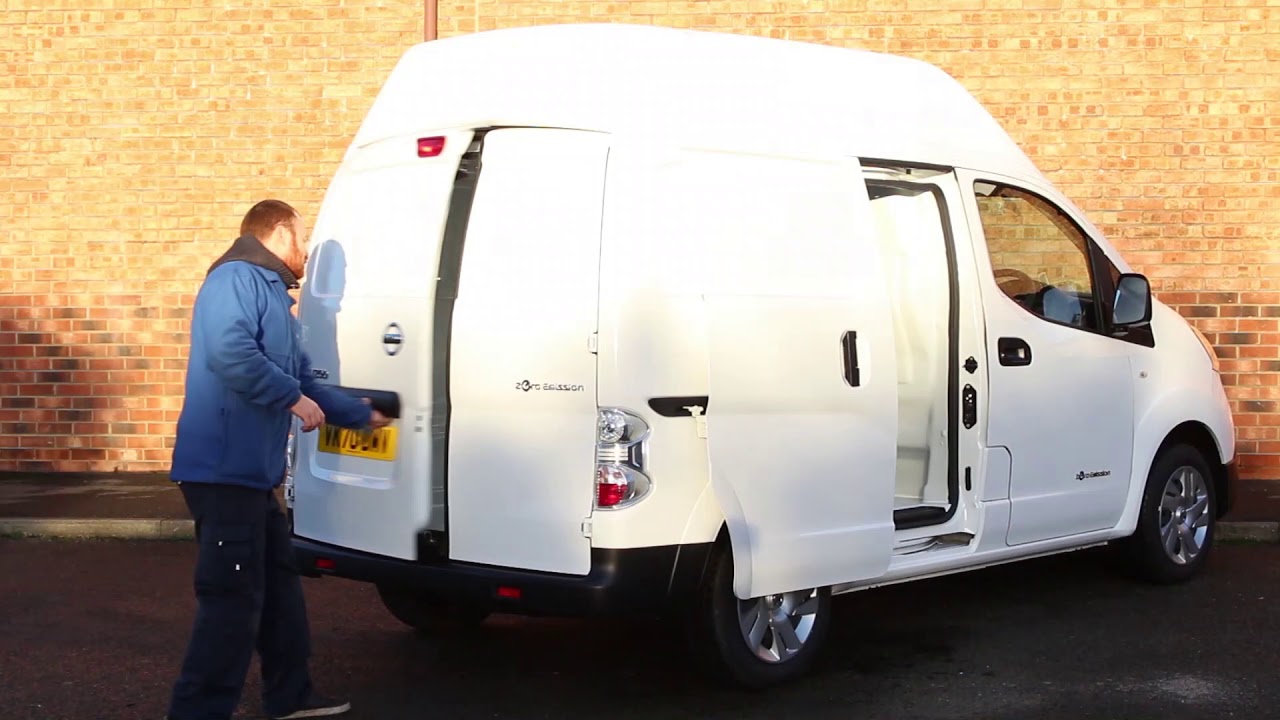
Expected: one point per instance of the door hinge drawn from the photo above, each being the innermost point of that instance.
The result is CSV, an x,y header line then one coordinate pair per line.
x,y
593,343
586,528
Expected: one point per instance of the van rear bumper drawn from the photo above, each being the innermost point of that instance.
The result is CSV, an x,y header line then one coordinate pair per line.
x,y
621,581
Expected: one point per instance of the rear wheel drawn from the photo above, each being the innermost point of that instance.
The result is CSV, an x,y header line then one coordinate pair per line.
x,y
1177,519
759,642
426,614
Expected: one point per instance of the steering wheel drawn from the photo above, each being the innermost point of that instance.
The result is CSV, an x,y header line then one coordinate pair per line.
x,y
1014,282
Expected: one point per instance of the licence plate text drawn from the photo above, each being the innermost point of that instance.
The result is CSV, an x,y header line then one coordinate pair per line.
x,y
379,444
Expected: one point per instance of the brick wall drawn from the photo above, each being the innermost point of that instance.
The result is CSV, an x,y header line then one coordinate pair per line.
x,y
135,134
137,131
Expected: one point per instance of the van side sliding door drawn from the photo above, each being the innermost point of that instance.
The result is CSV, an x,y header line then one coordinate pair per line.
x,y
802,413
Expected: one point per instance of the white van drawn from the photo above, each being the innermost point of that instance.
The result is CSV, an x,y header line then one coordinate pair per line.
x,y
721,326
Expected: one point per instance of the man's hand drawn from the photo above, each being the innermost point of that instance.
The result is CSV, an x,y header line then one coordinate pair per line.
x,y
376,419
308,412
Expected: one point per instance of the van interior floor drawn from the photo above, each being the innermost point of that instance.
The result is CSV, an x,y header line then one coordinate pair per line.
x,y
904,503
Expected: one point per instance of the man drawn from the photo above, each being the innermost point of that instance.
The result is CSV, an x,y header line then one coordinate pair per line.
x,y
247,376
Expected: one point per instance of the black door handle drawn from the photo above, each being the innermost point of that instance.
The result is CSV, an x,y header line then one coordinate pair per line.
x,y
849,351
1014,352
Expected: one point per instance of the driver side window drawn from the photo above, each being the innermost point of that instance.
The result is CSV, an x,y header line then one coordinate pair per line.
x,y
1040,258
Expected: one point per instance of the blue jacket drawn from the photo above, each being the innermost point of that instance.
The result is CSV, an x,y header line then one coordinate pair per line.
x,y
245,370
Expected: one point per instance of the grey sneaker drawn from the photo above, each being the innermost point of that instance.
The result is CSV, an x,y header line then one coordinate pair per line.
x,y
317,706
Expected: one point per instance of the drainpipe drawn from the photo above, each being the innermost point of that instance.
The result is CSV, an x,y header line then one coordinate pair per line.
x,y
429,32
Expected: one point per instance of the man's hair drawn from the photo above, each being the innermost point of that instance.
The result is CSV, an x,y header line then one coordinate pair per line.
x,y
264,217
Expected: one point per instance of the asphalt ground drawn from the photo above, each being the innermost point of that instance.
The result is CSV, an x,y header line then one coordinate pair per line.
x,y
96,629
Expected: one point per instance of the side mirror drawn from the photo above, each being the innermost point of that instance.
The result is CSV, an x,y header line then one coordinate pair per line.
x,y
1133,301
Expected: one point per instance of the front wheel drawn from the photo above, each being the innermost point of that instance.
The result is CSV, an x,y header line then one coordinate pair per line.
x,y
1177,519
759,642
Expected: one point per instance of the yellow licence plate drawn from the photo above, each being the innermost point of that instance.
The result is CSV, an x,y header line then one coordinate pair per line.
x,y
379,444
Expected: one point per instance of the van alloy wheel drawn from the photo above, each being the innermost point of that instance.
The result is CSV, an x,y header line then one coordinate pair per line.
x,y
1176,520
760,642
1184,514
776,627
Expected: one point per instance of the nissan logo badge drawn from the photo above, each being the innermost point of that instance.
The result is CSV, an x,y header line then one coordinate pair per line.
x,y
392,338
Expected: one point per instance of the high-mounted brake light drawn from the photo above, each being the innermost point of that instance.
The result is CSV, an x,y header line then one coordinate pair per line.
x,y
430,147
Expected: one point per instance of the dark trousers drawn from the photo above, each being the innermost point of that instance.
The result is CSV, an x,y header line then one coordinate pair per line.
x,y
250,596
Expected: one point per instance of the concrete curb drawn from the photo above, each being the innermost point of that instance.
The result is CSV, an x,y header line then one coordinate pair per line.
x,y
96,528
1257,531
150,529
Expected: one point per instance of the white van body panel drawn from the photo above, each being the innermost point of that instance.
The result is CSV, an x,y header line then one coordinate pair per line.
x,y
1177,385
522,373
798,461
651,340
676,87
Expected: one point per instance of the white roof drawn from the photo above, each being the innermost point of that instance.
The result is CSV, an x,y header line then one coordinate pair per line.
x,y
694,88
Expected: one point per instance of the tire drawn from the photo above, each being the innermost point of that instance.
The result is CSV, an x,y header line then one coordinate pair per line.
x,y
427,615
720,646
1177,519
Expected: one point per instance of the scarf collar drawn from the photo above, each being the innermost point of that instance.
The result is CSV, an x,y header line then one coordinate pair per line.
x,y
249,249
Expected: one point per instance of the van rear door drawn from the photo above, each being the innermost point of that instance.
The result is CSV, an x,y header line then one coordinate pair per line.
x,y
368,319
522,378
469,286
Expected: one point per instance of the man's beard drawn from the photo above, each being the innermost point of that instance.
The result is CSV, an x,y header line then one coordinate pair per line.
x,y
297,262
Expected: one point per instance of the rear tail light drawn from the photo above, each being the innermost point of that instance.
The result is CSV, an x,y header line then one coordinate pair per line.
x,y
618,485
621,480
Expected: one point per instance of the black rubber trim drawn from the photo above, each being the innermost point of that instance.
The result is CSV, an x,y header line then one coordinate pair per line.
x,y
621,582
887,164
449,271
920,516
1229,488
674,406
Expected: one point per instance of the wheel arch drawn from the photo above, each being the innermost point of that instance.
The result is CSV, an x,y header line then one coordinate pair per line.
x,y
1198,435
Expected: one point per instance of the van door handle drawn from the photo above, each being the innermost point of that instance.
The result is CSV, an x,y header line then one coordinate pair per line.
x,y
849,351
1014,352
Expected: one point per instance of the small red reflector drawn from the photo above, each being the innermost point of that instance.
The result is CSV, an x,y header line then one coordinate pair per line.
x,y
510,593
608,494
325,564
430,147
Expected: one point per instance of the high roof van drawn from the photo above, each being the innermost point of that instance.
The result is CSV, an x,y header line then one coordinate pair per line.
x,y
719,327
